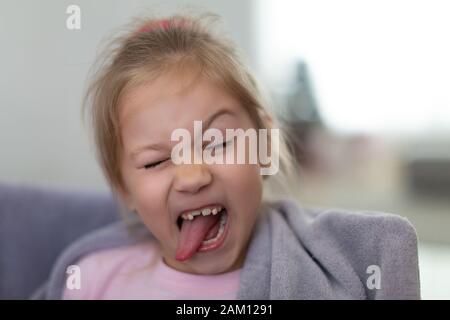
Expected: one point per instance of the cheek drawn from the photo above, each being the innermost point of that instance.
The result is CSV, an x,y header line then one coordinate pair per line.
x,y
146,188
243,185
149,193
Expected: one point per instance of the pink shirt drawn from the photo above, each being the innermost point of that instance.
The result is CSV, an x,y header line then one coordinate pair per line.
x,y
139,272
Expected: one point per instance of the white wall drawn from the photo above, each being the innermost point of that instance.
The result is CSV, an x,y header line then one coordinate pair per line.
x,y
43,73
376,66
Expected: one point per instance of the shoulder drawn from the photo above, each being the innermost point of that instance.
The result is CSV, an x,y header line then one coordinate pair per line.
x,y
347,226
97,270
361,241
108,260
367,228
93,251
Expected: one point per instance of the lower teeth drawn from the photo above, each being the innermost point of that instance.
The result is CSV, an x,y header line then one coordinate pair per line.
x,y
223,221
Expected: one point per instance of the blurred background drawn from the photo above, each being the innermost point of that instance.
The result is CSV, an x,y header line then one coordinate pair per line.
x,y
362,87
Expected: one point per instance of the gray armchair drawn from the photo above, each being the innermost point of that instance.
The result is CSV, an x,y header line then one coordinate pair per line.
x,y
36,224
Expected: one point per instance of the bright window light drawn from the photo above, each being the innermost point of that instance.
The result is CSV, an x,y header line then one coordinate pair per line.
x,y
375,65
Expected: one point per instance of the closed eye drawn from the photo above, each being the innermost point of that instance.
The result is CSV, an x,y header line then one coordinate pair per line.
x,y
155,164
221,145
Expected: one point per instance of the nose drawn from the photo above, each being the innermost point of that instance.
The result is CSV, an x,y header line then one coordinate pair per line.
x,y
191,177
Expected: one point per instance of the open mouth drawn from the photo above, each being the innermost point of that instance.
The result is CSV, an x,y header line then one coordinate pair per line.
x,y
201,230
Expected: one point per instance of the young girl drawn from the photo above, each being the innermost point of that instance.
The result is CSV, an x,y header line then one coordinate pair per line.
x,y
208,230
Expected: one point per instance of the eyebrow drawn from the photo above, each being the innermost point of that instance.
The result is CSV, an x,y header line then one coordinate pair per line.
x,y
159,146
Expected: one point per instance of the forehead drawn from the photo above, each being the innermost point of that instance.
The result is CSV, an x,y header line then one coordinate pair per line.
x,y
170,93
173,100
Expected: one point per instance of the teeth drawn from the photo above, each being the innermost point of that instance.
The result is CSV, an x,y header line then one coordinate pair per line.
x,y
205,212
195,213
223,221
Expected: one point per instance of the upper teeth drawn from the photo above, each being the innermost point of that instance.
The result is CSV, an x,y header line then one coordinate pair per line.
x,y
205,212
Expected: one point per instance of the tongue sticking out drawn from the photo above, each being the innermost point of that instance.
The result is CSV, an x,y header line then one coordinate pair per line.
x,y
193,232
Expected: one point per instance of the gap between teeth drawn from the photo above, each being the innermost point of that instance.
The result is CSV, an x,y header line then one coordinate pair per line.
x,y
205,212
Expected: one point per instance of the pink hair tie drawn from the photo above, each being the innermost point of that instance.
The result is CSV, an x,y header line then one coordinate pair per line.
x,y
163,24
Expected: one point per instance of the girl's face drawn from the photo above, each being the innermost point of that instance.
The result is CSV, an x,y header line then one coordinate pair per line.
x,y
161,192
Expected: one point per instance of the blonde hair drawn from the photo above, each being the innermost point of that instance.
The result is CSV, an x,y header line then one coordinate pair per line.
x,y
150,47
